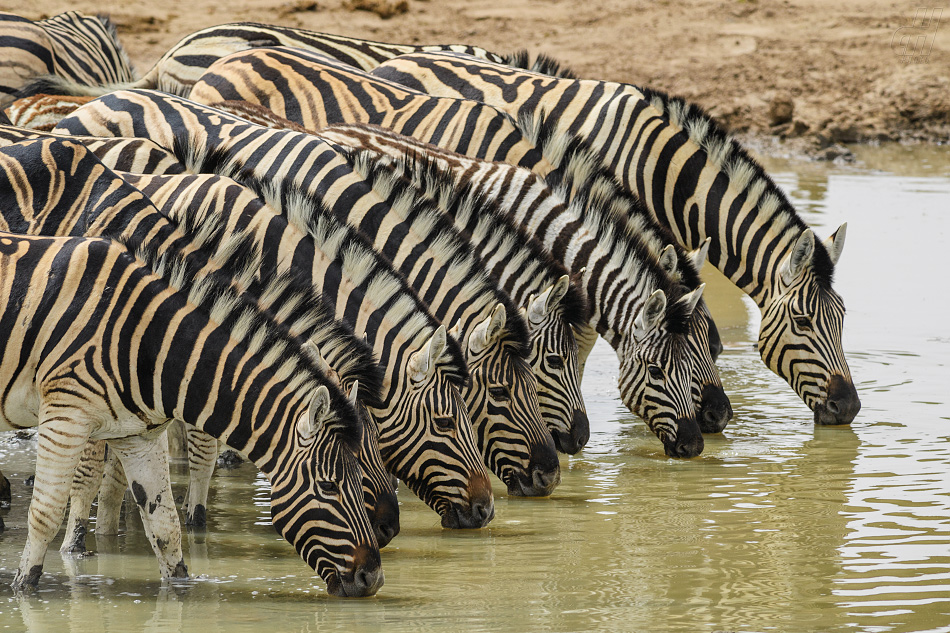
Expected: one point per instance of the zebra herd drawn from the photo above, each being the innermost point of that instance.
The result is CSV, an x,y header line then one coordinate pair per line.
x,y
354,262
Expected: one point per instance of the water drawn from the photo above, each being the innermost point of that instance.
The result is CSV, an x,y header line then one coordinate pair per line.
x,y
778,526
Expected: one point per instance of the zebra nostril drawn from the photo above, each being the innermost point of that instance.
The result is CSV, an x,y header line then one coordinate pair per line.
x,y
832,406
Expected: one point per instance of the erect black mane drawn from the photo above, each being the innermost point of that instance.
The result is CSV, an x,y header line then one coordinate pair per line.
x,y
543,63
573,307
715,133
517,335
217,160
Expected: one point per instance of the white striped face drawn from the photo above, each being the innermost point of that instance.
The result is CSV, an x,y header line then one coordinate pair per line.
x,y
554,363
317,504
800,340
655,383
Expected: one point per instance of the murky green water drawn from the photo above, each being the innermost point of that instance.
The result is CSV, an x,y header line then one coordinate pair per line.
x,y
779,526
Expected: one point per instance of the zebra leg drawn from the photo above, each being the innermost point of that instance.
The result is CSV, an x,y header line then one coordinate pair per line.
x,y
85,486
5,496
586,337
202,453
145,461
111,494
61,440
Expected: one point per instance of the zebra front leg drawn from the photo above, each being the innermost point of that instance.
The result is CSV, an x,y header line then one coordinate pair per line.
x,y
111,494
202,453
85,485
61,440
145,461
5,496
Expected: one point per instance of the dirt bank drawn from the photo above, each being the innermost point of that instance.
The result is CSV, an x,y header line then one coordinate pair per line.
x,y
811,71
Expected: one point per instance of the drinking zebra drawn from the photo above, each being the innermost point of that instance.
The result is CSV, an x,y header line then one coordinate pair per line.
x,y
91,342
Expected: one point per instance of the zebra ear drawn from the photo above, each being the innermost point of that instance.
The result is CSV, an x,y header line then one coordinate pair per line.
x,y
486,331
541,307
317,414
796,262
668,260
691,299
650,315
835,243
423,361
699,255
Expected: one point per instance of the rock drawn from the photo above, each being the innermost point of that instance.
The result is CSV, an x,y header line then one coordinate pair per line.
x,y
781,109
843,133
835,152
383,8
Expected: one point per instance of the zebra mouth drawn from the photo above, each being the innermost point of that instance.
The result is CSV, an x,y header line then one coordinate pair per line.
x,y
335,585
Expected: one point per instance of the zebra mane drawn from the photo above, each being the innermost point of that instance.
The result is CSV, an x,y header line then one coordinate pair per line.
x,y
465,271
113,32
743,171
598,200
294,304
213,294
543,63
338,241
437,183
593,191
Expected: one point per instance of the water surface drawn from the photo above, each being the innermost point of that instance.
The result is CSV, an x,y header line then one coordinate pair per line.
x,y
778,526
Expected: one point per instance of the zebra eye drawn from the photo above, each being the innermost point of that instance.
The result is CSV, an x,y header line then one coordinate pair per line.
x,y
802,322
499,393
655,371
555,361
329,487
444,423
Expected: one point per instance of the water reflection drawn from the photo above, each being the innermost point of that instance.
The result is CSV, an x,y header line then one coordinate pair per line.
x,y
777,526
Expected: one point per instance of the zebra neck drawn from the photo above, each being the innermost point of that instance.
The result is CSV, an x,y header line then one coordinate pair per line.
x,y
206,378
697,183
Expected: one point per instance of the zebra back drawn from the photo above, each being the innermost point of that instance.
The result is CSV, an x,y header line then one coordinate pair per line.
x,y
136,155
315,91
78,48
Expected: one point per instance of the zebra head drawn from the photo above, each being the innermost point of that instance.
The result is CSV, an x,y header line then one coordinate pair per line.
x,y
317,502
502,399
437,457
800,335
712,404
656,371
554,363
379,487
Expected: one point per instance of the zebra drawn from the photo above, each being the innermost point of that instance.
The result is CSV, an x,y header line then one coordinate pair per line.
x,y
90,327
75,47
551,304
184,63
422,412
699,183
333,93
136,155
71,206
527,464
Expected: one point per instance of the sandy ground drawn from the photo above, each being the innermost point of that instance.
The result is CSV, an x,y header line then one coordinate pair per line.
x,y
809,73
